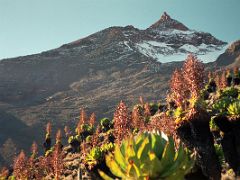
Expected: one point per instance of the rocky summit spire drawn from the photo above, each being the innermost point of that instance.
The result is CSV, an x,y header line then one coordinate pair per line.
x,y
165,17
166,22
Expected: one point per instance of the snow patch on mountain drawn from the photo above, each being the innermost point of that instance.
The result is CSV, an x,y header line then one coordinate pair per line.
x,y
157,44
174,32
189,48
164,53
126,44
154,49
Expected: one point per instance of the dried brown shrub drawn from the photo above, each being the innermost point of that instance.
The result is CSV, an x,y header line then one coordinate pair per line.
x,y
57,162
178,87
21,166
84,150
217,79
187,82
34,149
82,120
147,110
83,116
164,123
92,119
58,136
210,75
236,71
141,100
228,72
223,80
48,128
95,137
193,73
137,119
122,122
44,167
4,173
67,131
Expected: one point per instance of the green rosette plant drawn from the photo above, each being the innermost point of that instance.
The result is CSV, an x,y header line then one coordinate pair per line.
x,y
148,156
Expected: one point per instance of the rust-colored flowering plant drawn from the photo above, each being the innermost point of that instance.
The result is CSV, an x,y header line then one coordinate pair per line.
x,y
57,162
187,83
4,172
193,74
191,117
81,122
21,166
122,122
137,119
179,93
92,119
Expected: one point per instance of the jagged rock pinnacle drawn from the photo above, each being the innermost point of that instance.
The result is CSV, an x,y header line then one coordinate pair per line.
x,y
166,22
165,17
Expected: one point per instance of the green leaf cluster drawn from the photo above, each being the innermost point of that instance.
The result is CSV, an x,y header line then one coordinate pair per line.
x,y
234,108
148,156
106,124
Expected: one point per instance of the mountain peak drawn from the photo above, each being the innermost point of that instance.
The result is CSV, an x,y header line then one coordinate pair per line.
x,y
166,22
165,17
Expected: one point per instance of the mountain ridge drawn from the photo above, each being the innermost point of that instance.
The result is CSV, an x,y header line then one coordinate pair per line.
x,y
171,33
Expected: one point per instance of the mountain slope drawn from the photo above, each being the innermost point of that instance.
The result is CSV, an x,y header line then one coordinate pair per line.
x,y
231,57
96,72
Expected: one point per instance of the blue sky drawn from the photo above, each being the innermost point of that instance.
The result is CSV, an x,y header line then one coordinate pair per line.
x,y
33,26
